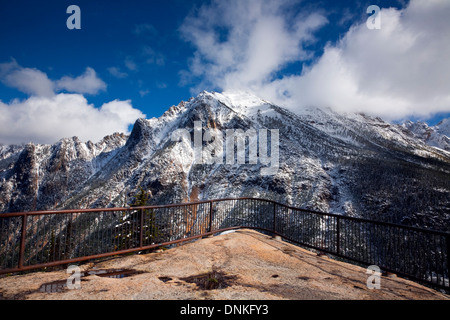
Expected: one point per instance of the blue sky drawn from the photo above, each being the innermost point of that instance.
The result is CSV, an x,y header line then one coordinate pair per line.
x,y
113,33
136,58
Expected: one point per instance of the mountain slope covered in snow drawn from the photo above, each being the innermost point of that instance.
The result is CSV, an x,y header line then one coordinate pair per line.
x,y
350,164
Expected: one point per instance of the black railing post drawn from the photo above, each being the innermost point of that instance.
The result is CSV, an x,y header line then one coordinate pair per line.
x,y
210,215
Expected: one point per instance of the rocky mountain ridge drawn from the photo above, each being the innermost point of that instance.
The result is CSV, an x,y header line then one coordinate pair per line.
x,y
350,164
436,136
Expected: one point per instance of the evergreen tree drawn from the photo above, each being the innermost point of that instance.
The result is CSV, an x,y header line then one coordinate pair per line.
x,y
149,229
129,228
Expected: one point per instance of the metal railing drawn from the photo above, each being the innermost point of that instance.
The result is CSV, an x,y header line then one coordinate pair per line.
x,y
33,240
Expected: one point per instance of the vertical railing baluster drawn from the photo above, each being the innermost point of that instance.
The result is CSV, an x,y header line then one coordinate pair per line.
x,y
274,217
210,216
141,230
338,236
22,241
447,244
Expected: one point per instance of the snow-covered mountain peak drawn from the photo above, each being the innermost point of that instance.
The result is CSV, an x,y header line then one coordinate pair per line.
x,y
351,164
239,99
243,102
443,127
436,136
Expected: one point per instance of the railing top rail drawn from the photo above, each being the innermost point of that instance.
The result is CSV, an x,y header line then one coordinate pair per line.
x,y
68,211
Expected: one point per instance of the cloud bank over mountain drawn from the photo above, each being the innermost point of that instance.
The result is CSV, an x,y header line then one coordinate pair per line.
x,y
398,71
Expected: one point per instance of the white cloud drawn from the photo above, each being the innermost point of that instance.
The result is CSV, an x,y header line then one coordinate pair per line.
x,y
36,83
145,30
115,72
242,43
87,83
399,71
143,93
130,64
27,80
153,57
47,116
47,119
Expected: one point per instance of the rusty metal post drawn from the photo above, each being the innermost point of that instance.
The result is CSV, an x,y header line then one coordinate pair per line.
x,y
22,241
141,238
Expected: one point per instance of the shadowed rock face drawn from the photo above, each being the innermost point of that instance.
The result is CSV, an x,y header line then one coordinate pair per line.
x,y
240,265
355,165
